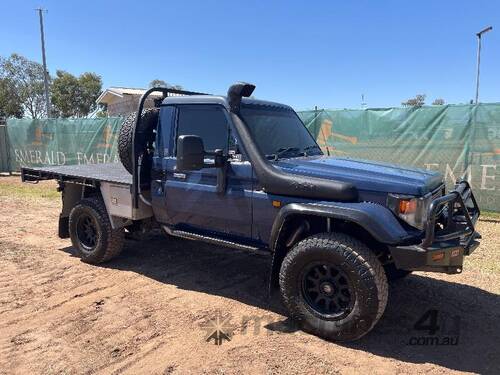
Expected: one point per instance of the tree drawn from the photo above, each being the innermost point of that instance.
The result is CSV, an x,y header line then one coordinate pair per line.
x,y
90,89
10,103
65,92
162,83
75,97
158,83
438,101
417,101
24,78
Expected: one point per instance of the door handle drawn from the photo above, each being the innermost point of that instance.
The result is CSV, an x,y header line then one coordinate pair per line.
x,y
181,176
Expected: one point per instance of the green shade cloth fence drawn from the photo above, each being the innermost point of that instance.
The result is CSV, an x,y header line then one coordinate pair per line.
x,y
35,142
454,139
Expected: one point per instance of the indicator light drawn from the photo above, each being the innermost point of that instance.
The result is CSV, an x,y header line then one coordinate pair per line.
x,y
437,256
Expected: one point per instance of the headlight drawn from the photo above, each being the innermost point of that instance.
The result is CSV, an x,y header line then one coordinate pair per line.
x,y
410,209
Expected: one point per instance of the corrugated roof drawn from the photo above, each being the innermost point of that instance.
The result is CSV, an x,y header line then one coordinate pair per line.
x,y
130,91
121,91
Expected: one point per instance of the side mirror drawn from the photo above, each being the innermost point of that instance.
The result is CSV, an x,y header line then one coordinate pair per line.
x,y
190,153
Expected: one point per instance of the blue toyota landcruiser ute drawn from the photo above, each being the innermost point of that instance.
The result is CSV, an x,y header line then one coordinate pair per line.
x,y
247,174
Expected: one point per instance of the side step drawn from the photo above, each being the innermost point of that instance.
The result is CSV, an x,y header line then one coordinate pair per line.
x,y
213,240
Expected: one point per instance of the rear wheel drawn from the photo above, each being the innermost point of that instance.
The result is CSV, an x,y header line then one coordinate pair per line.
x,y
91,233
333,286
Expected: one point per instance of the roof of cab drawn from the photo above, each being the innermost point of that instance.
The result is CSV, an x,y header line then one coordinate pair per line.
x,y
220,100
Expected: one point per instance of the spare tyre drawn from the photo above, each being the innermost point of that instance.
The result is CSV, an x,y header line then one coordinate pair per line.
x,y
144,134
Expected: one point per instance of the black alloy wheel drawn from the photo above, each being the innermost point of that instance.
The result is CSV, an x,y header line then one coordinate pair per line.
x,y
327,290
86,231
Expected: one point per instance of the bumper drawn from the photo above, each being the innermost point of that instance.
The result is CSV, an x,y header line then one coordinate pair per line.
x,y
443,257
449,236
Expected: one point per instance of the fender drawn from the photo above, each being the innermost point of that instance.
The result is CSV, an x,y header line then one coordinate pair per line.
x,y
374,218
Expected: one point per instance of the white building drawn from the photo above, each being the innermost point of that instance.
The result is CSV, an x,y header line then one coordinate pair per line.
x,y
122,100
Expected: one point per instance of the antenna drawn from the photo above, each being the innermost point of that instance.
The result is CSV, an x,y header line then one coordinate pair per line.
x,y
363,103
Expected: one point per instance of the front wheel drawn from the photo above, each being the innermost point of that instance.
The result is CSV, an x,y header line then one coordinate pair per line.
x,y
333,286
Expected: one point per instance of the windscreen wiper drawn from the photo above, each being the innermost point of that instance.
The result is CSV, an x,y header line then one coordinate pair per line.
x,y
309,148
281,151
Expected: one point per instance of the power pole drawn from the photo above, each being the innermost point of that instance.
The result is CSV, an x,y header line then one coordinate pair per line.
x,y
479,35
45,72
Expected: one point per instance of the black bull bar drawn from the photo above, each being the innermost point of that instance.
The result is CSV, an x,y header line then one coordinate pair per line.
x,y
453,216
449,234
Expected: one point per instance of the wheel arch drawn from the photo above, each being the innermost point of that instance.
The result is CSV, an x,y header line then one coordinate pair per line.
x,y
371,223
72,193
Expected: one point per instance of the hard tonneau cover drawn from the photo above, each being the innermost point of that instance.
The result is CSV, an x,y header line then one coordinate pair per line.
x,y
83,173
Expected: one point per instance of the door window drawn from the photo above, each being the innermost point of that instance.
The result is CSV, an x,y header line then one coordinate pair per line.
x,y
164,132
206,121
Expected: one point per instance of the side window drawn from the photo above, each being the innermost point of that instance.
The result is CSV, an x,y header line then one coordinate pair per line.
x,y
164,131
206,121
158,142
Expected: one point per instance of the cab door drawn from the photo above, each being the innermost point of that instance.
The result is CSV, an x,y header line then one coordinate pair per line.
x,y
191,197
162,154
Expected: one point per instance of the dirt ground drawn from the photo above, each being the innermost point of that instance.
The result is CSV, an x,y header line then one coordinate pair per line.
x,y
149,310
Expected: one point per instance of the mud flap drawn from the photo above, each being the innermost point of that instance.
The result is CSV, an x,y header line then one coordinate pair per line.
x,y
63,230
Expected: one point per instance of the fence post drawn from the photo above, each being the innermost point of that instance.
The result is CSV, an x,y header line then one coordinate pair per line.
x,y
4,147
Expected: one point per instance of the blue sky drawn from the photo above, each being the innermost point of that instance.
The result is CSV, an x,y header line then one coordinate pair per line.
x,y
301,53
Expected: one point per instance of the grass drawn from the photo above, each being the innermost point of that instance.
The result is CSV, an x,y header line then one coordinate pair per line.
x,y
484,264
12,187
490,215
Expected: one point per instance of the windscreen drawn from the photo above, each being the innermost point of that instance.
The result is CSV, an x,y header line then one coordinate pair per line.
x,y
278,132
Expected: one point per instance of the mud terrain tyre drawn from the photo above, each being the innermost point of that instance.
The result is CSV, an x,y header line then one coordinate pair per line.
x,y
149,119
91,233
333,286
